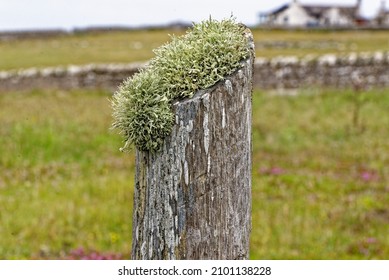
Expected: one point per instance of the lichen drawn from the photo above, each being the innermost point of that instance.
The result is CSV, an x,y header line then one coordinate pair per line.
x,y
142,106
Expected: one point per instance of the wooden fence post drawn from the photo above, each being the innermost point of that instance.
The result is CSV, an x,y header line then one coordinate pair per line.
x,y
192,199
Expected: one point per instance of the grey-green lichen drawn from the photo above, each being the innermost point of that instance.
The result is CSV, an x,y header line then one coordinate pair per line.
x,y
142,106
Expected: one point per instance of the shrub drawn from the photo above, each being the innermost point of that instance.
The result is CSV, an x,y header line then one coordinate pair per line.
x,y
197,60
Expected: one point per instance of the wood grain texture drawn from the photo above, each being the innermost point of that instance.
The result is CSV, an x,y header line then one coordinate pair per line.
x,y
193,198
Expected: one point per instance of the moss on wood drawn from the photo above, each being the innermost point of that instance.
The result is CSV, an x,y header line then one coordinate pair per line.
x,y
207,53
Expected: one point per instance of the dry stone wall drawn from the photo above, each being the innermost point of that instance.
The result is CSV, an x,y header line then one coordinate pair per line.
x,y
275,73
327,70
107,76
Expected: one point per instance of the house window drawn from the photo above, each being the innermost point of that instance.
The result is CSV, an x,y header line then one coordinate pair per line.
x,y
286,19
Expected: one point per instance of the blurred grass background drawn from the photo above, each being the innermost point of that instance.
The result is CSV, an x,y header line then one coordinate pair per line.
x,y
320,180
63,182
137,45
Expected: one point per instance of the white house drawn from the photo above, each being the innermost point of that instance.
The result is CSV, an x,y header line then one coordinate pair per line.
x,y
382,17
296,14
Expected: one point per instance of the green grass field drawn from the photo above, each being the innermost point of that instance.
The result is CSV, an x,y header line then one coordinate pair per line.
x,y
137,45
320,181
63,182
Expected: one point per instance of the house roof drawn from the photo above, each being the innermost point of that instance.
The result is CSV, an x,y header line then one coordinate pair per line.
x,y
318,10
280,9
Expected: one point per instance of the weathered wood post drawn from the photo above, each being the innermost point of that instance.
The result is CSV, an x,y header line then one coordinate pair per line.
x,y
192,199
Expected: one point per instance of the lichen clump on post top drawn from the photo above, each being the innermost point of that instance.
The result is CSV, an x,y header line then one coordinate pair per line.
x,y
142,107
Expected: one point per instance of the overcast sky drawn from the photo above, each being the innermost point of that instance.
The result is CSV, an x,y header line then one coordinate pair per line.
x,y
68,14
